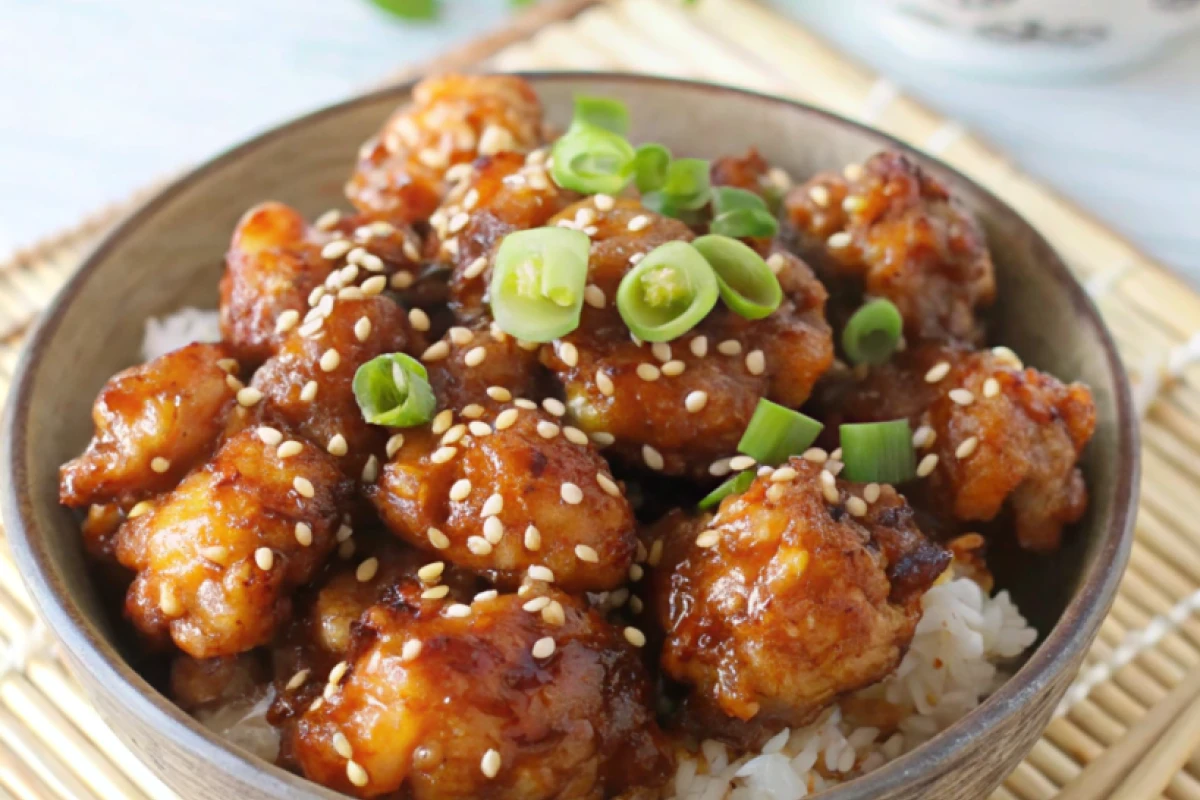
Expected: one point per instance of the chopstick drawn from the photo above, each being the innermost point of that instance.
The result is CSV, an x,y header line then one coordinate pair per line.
x,y
1142,764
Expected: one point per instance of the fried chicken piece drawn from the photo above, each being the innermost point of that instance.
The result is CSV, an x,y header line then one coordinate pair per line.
x,y
893,230
401,172
1002,433
506,364
486,700
205,683
217,558
307,387
784,600
747,172
153,423
499,194
510,470
276,260
703,387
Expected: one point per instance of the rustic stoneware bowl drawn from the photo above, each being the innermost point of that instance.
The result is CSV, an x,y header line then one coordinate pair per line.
x,y
169,254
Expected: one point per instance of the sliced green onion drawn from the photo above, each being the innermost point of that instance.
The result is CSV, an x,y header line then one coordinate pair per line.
x,y
538,282
410,9
735,485
747,284
603,112
660,204
687,185
776,433
730,198
872,333
393,390
879,452
667,293
650,167
741,214
592,160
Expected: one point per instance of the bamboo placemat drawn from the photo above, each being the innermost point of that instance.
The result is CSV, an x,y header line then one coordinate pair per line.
x,y
53,745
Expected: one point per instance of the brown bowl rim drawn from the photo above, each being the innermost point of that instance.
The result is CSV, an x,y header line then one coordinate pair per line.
x,y
1074,629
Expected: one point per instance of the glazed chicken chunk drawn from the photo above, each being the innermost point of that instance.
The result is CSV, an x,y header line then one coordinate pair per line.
x,y
276,261
153,423
218,558
893,230
485,700
991,431
511,494
401,173
467,363
676,407
798,591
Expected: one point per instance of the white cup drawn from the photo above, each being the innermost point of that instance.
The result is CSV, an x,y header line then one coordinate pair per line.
x,y
1038,38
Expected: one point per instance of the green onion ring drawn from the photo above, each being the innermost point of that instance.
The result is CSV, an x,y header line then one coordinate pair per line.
x,y
667,293
393,390
747,284
650,167
879,452
741,214
603,112
687,186
873,332
735,485
538,282
776,433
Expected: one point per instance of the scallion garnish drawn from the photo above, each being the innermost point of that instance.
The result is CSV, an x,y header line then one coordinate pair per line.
x,y
538,282
747,284
776,433
650,167
592,160
603,112
393,390
686,188
879,452
735,485
872,333
667,293
741,214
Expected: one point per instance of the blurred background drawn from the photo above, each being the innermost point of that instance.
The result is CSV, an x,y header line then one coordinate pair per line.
x,y
101,97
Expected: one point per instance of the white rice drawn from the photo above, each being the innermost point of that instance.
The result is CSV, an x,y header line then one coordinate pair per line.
x,y
173,331
954,662
244,723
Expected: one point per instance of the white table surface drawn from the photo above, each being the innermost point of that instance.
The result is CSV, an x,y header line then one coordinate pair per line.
x,y
99,97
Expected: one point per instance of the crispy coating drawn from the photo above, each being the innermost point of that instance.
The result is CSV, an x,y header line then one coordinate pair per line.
x,y
99,531
328,410
401,172
747,172
575,723
502,193
153,423
793,348
199,683
506,364
795,603
533,480
217,558
895,231
1029,431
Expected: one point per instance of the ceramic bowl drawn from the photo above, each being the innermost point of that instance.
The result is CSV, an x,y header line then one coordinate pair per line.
x,y
169,254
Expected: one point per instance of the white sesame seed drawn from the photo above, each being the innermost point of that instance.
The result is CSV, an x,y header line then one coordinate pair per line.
x,y
553,613
547,430
652,457
435,592
439,540
699,346
264,557
431,571
829,487
538,572
924,437
506,418
289,448
834,467
729,347
604,383
569,354
362,329
442,421
297,680
479,545
571,493
317,294
1008,357
937,372
673,368
696,401
483,597
490,763
499,394
856,506
962,397
411,649
455,434
871,492
738,463
635,637
536,604
168,601
356,774
648,372
249,396
635,258
403,280
394,443
443,454
309,392
492,506
310,329
525,403
344,532
159,464
370,470
460,490
775,492
472,411
304,534
336,249
776,262
367,570
554,406
328,220
819,195
436,351
303,486
233,383
458,610
639,222
342,745
719,468
214,553
839,240
533,538
350,293
756,362
783,475
708,539
927,465
991,387
493,530
586,553
475,356
287,320
460,336
330,360
764,471
575,436
967,447
853,172
854,203
602,438
661,351
543,648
